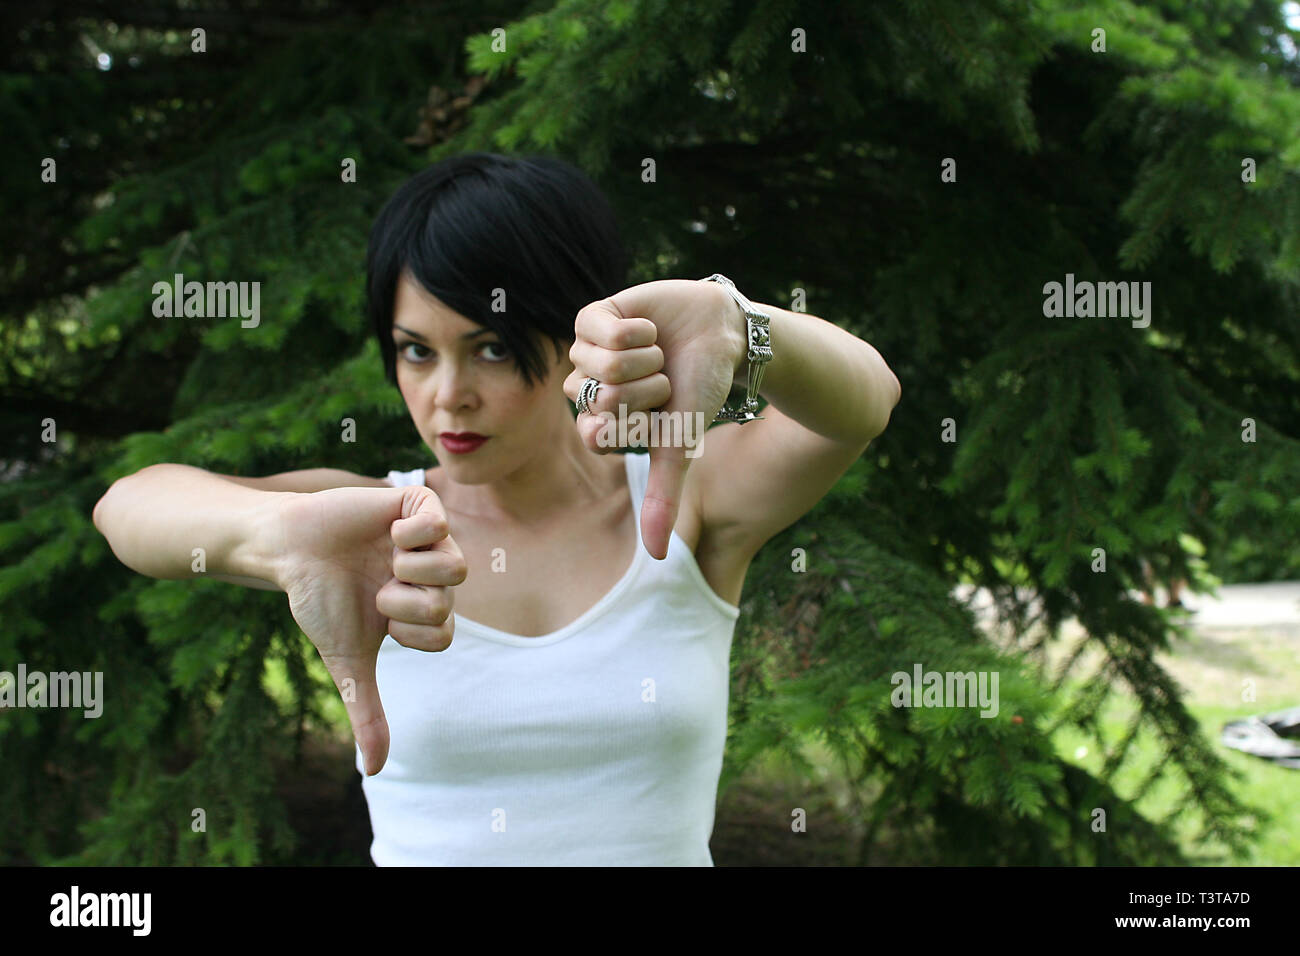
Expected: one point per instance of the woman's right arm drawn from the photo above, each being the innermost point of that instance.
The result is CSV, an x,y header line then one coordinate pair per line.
x,y
156,518
359,564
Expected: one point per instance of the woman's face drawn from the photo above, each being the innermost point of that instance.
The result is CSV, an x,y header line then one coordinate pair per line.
x,y
455,383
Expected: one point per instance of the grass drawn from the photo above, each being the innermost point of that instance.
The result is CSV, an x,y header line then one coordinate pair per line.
x,y
1273,789
1214,669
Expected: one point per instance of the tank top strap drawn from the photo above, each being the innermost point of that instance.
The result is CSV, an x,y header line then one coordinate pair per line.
x,y
400,479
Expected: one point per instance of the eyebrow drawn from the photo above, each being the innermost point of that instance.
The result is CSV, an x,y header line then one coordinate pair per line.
x,y
466,336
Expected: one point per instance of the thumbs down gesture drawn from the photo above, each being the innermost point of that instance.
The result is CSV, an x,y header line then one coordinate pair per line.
x,y
671,346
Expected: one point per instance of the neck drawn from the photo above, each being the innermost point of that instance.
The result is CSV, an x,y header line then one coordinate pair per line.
x,y
560,477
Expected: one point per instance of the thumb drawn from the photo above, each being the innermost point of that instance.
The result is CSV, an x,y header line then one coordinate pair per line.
x,y
422,524
663,495
358,686
423,500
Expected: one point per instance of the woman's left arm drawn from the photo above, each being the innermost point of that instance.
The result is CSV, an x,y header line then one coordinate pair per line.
x,y
829,395
825,378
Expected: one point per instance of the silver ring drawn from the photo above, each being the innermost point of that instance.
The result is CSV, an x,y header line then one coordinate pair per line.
x,y
587,393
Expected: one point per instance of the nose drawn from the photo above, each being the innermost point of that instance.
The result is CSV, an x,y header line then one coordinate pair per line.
x,y
453,386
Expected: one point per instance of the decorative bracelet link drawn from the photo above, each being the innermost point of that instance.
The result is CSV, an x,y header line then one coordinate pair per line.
x,y
758,333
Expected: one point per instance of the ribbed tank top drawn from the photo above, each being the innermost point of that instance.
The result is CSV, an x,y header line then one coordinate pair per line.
x,y
599,744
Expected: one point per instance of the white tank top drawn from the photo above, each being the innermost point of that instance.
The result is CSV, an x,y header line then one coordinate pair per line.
x,y
599,744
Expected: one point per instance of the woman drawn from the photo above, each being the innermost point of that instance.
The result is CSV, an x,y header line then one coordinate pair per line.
x,y
580,714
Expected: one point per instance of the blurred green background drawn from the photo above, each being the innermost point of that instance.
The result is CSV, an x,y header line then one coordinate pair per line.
x,y
800,149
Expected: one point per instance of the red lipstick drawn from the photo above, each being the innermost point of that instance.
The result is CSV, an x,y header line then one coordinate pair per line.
x,y
461,443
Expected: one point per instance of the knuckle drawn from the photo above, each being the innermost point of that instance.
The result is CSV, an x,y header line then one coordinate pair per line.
x,y
441,640
436,606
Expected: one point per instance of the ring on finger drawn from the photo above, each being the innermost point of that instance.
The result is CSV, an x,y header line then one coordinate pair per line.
x,y
587,393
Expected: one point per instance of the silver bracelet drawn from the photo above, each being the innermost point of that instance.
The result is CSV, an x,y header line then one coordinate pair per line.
x,y
758,333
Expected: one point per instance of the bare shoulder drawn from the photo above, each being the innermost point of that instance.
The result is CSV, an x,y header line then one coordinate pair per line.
x,y
309,480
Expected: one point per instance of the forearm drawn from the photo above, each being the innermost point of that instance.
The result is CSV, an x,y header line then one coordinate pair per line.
x,y
825,378
156,518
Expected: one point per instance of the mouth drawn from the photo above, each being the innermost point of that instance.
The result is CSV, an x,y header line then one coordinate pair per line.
x,y
462,442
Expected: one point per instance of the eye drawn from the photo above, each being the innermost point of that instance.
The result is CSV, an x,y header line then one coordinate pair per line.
x,y
411,345
419,357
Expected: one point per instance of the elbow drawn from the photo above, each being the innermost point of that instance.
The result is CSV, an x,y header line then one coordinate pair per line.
x,y
893,391
878,429
96,516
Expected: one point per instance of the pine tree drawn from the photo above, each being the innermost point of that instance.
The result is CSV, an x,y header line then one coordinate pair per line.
x,y
800,149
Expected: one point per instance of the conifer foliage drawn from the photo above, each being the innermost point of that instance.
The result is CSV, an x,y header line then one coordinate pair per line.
x,y
917,172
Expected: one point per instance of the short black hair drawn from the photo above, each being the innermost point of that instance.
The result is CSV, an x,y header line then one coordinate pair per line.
x,y
534,226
